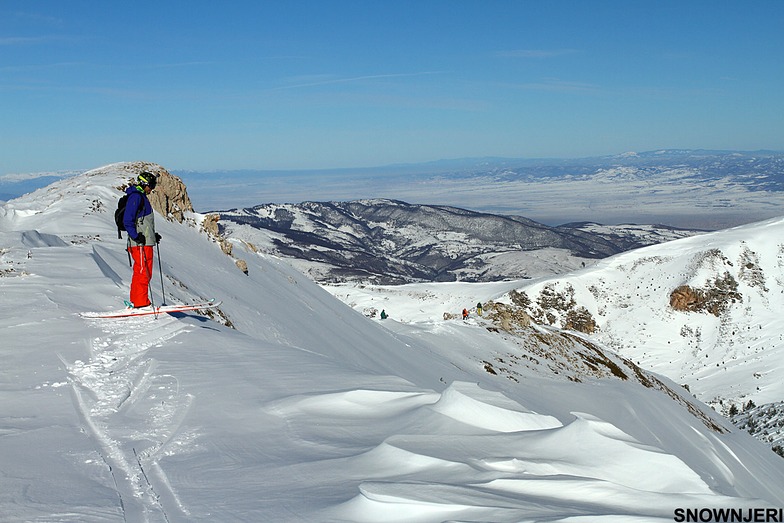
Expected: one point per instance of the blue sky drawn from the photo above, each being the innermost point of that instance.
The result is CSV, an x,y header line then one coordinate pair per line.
x,y
295,84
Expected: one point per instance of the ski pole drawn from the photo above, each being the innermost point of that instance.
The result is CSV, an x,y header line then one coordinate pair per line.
x,y
160,270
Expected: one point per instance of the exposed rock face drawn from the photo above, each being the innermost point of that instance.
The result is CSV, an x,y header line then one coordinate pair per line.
x,y
508,317
580,319
210,225
715,298
555,306
684,298
170,197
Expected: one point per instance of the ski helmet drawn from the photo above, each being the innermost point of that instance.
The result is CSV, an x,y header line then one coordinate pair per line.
x,y
146,178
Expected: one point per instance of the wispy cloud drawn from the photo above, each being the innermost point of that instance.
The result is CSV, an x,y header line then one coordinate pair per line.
x,y
8,41
556,85
330,80
173,65
36,18
535,53
101,66
43,67
24,40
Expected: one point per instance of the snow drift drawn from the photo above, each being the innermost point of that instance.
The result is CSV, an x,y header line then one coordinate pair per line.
x,y
287,405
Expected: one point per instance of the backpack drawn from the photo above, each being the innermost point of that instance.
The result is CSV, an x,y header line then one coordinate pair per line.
x,y
119,215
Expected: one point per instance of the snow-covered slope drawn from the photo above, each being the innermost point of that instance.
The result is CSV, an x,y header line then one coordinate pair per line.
x,y
291,406
727,343
394,242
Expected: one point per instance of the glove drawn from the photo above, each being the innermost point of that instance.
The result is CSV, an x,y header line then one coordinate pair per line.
x,y
140,239
157,238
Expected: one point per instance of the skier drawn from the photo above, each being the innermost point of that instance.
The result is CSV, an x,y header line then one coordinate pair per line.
x,y
465,314
139,221
479,308
383,314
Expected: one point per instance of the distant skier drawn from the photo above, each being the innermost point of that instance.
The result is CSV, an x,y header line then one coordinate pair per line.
x,y
465,314
139,221
479,308
384,314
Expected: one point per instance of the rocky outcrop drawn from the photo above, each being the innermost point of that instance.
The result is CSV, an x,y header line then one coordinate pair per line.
x,y
242,265
715,298
580,319
557,307
210,225
685,298
170,197
507,317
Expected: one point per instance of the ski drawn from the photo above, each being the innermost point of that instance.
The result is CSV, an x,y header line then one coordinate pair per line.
x,y
148,311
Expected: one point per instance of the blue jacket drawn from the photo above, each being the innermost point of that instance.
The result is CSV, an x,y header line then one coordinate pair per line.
x,y
139,217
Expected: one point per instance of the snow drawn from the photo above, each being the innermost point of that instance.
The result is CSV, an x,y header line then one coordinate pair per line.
x,y
735,356
423,303
288,405
689,189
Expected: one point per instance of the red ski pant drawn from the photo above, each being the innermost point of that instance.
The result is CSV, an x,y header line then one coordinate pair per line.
x,y
142,273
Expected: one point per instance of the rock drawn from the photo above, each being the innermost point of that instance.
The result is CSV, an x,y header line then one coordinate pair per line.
x,y
242,265
685,298
210,225
170,197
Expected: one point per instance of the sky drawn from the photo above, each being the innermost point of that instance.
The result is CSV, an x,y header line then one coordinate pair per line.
x,y
205,85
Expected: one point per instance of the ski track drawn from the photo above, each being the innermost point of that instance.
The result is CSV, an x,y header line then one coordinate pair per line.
x,y
133,412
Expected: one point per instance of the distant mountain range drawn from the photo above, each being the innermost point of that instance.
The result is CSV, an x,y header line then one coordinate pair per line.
x,y
389,241
690,189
